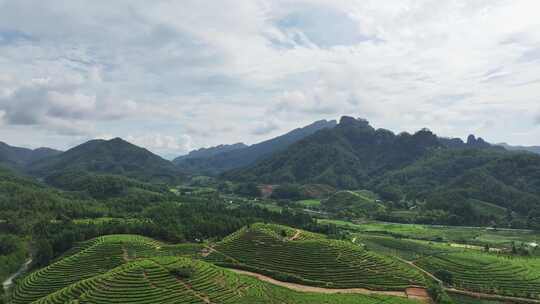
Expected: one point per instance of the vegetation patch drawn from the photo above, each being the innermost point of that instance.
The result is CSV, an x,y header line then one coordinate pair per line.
x,y
313,260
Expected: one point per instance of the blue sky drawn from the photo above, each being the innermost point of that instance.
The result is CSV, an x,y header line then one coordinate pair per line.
x,y
177,75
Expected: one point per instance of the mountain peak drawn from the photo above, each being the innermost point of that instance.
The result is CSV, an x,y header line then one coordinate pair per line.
x,y
114,156
477,142
348,122
118,140
351,121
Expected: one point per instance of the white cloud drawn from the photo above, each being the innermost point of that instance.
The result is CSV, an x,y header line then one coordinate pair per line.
x,y
265,67
265,128
162,143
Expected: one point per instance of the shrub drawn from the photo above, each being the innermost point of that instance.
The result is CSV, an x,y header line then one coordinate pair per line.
x,y
183,272
445,276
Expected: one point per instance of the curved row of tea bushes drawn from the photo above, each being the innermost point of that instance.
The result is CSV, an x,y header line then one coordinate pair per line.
x,y
319,262
487,273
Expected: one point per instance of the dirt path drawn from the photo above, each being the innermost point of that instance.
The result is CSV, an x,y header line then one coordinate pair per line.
x,y
197,294
429,274
125,255
488,296
296,235
207,250
412,294
9,281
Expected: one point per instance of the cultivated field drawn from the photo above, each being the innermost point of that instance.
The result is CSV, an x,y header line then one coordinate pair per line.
x,y
133,269
307,258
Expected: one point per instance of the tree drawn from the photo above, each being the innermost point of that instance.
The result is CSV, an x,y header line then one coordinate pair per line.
x,y
44,252
290,192
445,276
248,189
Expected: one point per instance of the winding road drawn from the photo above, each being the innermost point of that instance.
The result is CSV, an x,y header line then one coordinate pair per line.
x,y
415,293
9,281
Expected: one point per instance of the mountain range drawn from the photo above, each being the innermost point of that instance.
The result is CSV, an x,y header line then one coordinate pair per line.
x,y
532,149
210,152
17,157
446,174
211,162
350,155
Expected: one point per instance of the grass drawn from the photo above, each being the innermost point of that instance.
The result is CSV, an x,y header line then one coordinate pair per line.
x,y
134,269
488,209
310,203
312,259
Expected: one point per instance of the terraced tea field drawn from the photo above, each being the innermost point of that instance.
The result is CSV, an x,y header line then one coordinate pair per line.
x,y
487,273
406,249
312,260
92,258
133,269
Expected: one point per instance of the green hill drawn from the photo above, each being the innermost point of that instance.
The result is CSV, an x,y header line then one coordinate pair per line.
x,y
133,269
361,203
298,256
114,156
346,156
455,180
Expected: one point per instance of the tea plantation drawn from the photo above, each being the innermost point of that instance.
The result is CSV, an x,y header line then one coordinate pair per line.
x,y
311,259
487,273
133,269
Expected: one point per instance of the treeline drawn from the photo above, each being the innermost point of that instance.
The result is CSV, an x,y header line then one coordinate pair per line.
x,y
49,217
99,186
12,255
168,221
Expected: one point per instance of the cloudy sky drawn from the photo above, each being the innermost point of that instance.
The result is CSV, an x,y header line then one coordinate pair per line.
x,y
177,75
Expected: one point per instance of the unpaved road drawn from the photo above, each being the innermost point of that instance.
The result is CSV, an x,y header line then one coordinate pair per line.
x,y
24,267
296,235
303,288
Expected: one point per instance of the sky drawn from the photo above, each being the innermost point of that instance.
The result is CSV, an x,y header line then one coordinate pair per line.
x,y
173,76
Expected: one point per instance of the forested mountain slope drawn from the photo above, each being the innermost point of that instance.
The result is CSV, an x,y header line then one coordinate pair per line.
x,y
210,152
451,179
346,156
448,175
16,157
237,158
532,149
114,156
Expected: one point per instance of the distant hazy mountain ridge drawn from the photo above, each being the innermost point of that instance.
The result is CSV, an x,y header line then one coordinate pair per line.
x,y
532,149
241,157
20,157
209,152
